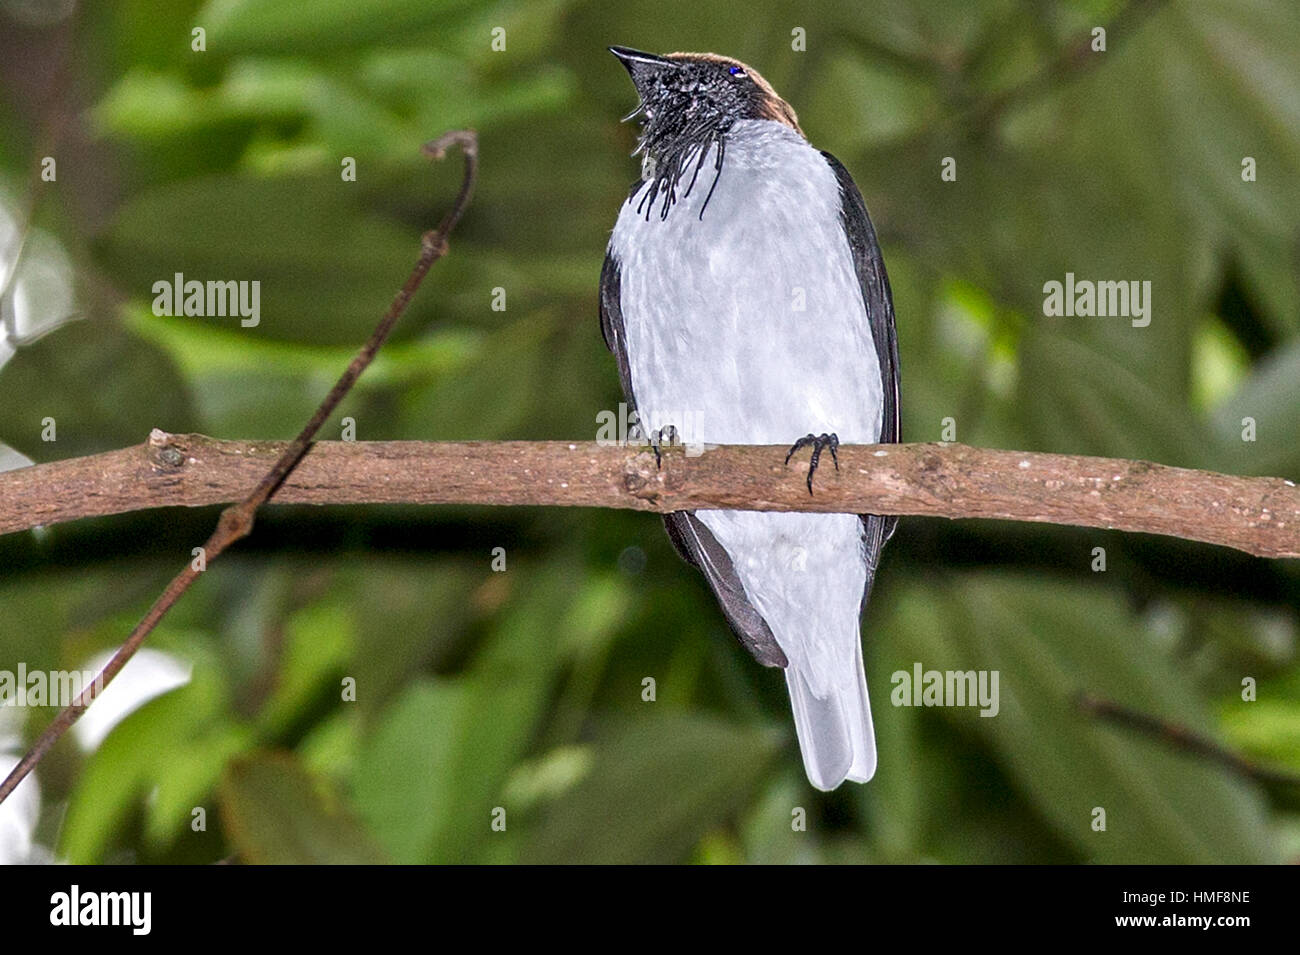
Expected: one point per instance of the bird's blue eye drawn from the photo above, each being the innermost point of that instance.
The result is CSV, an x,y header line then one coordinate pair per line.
x,y
736,71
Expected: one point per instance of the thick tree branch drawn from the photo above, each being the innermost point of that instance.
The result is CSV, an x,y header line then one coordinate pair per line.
x,y
1258,515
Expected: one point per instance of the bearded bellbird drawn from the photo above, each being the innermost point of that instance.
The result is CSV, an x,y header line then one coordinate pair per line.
x,y
744,290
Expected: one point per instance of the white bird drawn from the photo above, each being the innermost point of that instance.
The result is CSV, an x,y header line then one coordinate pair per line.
x,y
746,301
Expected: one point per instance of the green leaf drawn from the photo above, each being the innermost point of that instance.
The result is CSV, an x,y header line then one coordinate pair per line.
x,y
1271,397
187,777
658,783
187,726
431,774
326,267
277,812
1266,729
316,26
1049,642
104,387
476,403
1078,399
318,642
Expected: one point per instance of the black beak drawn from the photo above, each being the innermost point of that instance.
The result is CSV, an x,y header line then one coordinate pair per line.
x,y
631,58
640,65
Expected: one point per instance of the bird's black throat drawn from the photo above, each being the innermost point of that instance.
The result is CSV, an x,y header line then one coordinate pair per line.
x,y
689,103
678,145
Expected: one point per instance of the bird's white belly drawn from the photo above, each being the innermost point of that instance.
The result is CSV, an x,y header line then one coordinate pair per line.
x,y
747,325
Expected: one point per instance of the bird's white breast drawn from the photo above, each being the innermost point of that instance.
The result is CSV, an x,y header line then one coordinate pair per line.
x,y
747,325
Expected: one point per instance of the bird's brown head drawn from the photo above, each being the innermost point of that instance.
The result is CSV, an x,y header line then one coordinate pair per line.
x,y
690,98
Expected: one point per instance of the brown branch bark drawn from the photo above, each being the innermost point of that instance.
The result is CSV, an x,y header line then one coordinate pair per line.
x,y
1258,515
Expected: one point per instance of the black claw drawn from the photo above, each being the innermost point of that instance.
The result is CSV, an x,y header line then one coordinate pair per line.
x,y
803,442
667,434
819,442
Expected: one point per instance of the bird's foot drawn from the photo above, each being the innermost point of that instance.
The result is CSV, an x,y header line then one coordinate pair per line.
x,y
819,442
665,435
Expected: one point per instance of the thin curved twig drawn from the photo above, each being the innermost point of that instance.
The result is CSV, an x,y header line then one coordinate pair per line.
x,y
1182,738
236,521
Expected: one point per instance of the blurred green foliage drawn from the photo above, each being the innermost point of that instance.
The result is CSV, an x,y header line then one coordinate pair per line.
x,y
523,689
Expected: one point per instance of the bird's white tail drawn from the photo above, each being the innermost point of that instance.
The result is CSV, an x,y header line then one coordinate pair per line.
x,y
835,733
805,575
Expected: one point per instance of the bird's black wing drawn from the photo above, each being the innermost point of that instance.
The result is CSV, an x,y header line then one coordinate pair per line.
x,y
611,322
696,543
876,528
693,540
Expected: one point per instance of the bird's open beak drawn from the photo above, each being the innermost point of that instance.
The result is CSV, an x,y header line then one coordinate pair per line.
x,y
640,66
